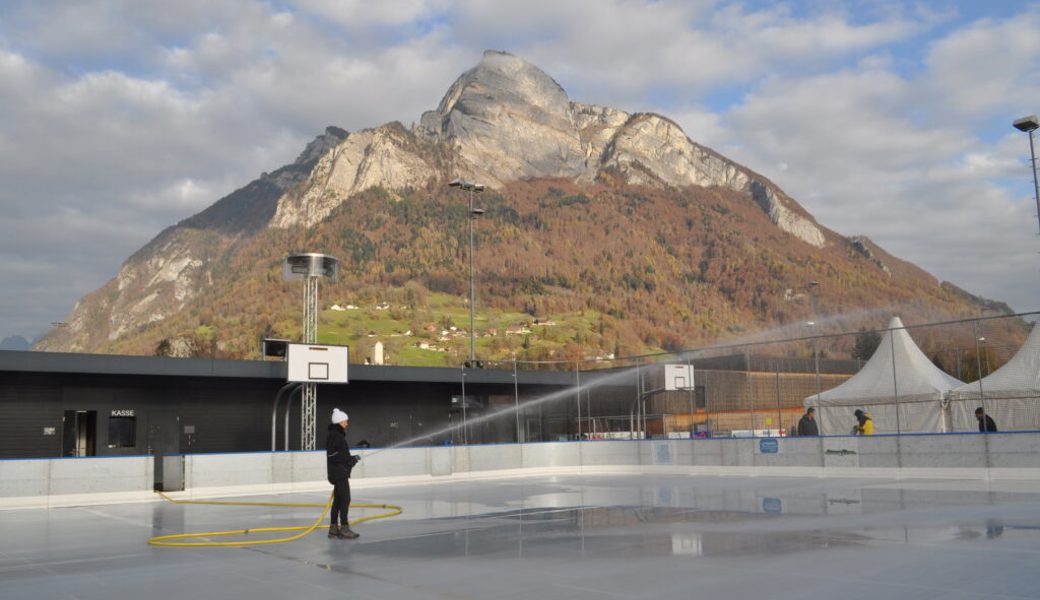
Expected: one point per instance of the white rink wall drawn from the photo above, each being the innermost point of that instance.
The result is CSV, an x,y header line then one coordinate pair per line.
x,y
36,482
76,481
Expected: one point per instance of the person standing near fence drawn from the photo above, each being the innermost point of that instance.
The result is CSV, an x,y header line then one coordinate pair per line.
x,y
986,422
864,423
807,425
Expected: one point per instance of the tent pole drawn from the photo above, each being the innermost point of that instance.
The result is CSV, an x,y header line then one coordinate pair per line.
x,y
895,392
978,366
895,378
982,395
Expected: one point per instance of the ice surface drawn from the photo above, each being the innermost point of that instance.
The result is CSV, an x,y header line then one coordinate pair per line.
x,y
587,536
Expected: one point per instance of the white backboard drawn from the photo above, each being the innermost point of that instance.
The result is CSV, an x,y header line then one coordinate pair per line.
x,y
678,377
318,363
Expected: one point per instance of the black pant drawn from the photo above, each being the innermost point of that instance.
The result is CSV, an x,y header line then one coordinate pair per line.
x,y
340,502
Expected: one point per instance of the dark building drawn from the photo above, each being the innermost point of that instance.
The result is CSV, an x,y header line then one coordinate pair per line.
x,y
56,404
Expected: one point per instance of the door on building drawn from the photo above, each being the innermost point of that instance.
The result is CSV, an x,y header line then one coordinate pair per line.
x,y
79,433
164,438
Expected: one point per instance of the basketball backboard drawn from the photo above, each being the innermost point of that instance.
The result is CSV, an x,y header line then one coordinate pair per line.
x,y
318,363
678,377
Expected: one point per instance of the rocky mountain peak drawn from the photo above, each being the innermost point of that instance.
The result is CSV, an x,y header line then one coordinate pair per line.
x,y
506,120
503,104
501,77
320,145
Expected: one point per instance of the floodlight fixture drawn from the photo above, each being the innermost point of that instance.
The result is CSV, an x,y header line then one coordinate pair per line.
x,y
1027,124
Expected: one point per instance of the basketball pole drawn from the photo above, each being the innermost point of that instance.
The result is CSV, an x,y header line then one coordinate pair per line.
x,y
309,395
309,267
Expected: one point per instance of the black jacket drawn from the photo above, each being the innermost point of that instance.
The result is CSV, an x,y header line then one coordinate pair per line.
x,y
808,426
338,459
990,424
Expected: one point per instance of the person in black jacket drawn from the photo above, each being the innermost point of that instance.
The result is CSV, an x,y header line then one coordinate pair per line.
x,y
339,462
807,425
986,422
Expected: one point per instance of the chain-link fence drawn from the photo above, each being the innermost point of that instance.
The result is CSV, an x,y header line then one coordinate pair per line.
x,y
900,379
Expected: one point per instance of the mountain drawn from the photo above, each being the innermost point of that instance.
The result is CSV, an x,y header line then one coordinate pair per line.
x,y
614,225
15,342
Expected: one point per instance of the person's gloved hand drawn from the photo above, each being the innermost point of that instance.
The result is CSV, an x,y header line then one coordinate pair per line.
x,y
354,459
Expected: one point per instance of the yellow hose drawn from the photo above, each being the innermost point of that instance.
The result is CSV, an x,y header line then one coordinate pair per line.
x,y
165,540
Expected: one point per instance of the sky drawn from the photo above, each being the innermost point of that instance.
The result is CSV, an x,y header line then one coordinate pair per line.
x,y
892,120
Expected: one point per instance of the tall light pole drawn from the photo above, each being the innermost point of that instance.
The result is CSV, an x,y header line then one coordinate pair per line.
x,y
812,324
472,188
309,267
1030,124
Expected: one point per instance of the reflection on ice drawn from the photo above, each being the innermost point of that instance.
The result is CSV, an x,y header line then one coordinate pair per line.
x,y
680,516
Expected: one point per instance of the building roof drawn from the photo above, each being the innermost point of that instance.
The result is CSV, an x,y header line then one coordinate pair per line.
x,y
108,364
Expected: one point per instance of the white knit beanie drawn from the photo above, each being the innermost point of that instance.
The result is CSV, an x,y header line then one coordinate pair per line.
x,y
338,416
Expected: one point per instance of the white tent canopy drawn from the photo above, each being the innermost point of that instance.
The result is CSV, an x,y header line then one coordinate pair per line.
x,y
1010,394
898,374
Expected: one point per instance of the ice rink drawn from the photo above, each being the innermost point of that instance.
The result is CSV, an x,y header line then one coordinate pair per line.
x,y
582,536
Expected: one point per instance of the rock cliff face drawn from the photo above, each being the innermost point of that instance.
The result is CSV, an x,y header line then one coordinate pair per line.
x,y
862,244
506,103
160,279
506,120
252,207
366,159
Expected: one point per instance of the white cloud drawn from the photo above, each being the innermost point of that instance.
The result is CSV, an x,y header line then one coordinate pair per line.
x,y
360,14
185,109
847,146
619,49
987,68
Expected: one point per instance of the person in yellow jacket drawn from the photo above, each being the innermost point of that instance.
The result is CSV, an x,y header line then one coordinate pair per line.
x,y
864,423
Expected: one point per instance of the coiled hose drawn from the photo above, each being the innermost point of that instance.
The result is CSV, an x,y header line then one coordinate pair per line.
x,y
167,540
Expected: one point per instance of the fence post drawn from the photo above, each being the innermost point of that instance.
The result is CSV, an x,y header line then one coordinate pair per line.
x,y
779,411
577,388
978,366
693,394
895,378
750,390
982,393
516,399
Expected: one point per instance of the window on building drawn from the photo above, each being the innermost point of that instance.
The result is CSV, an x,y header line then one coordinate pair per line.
x,y
122,432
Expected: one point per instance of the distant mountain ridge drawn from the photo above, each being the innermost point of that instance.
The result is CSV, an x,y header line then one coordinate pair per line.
x,y
15,342
589,208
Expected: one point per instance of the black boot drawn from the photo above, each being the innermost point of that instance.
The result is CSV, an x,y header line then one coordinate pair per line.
x,y
334,531
345,533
